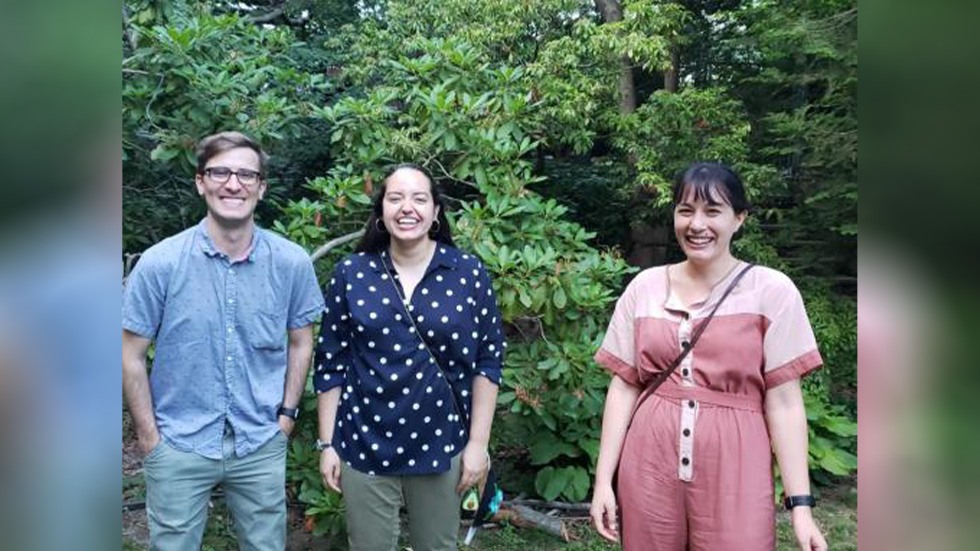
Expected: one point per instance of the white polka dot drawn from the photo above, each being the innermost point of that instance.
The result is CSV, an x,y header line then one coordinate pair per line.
x,y
401,420
357,409
360,275
411,462
361,456
380,390
385,463
438,278
364,428
388,433
374,447
425,447
385,330
385,301
400,450
425,291
377,418
370,344
397,347
444,319
428,390
435,304
415,406
459,307
435,463
373,315
372,288
360,302
405,391
418,375
414,435
449,292
438,432
394,376
439,403
391,405
408,361
455,336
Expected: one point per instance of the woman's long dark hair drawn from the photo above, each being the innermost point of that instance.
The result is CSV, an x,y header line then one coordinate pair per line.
x,y
377,240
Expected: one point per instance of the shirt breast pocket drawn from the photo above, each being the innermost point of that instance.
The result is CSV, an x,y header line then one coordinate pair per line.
x,y
268,330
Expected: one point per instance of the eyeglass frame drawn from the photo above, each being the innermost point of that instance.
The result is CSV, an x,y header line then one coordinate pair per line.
x,y
236,173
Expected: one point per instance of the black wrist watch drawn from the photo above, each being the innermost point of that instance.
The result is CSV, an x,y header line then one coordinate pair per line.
x,y
796,501
292,413
321,445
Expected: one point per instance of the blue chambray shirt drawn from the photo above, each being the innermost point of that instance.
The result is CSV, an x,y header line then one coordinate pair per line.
x,y
220,329
397,415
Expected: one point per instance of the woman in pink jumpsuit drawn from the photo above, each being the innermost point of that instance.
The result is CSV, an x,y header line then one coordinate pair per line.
x,y
695,467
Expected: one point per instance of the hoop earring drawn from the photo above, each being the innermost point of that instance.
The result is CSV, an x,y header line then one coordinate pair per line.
x,y
378,225
435,227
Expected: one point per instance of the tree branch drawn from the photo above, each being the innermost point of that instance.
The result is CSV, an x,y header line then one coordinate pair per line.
x,y
333,243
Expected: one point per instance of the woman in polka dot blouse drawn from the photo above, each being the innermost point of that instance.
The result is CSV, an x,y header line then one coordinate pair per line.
x,y
403,415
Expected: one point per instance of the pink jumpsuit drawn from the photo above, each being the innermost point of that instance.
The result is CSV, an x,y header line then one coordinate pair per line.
x,y
696,467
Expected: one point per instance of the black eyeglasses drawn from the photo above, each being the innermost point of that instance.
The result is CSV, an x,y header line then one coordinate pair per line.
x,y
221,175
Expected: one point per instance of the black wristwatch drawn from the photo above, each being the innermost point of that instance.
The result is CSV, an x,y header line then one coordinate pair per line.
x,y
321,445
796,501
292,413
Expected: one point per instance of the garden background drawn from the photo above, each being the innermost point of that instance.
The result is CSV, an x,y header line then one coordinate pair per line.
x,y
555,127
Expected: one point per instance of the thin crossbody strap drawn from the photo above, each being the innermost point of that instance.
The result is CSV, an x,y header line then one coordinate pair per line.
x,y
659,378
411,319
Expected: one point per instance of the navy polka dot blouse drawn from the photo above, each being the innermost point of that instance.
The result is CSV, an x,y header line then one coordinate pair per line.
x,y
397,414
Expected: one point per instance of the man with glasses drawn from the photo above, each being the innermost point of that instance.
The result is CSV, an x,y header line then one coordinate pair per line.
x,y
230,308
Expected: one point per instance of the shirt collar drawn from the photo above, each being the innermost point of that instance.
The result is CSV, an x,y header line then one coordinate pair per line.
x,y
207,244
444,256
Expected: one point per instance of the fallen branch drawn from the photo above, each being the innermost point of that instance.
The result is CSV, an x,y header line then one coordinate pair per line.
x,y
525,517
552,504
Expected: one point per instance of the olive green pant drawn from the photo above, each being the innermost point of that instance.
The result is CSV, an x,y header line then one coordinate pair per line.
x,y
373,504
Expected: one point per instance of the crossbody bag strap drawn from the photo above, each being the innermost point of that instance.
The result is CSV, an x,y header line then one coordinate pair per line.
x,y
659,378
411,319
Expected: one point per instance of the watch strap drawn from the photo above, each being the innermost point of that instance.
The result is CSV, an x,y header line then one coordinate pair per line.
x,y
320,445
797,501
292,413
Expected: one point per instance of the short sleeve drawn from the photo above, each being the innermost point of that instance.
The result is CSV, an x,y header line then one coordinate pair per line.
x,y
306,300
145,294
490,356
333,355
617,352
789,346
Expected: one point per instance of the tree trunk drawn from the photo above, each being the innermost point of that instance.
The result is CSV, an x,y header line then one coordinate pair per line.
x,y
611,13
672,75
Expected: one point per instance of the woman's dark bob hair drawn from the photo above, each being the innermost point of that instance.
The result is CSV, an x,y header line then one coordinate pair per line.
x,y
376,240
710,182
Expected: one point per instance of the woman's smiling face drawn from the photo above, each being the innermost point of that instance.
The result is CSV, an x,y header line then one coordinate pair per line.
x,y
408,209
704,225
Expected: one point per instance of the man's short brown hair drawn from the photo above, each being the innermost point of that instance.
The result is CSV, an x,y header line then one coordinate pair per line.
x,y
215,144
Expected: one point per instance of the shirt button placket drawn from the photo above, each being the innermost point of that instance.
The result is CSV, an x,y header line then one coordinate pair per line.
x,y
231,309
685,448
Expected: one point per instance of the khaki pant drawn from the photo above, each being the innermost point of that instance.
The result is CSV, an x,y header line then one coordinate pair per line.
x,y
373,504
179,484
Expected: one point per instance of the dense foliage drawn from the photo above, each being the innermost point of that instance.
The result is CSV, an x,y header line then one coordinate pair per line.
x,y
515,108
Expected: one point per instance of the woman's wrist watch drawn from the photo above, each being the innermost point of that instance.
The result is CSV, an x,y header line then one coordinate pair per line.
x,y
797,501
321,445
